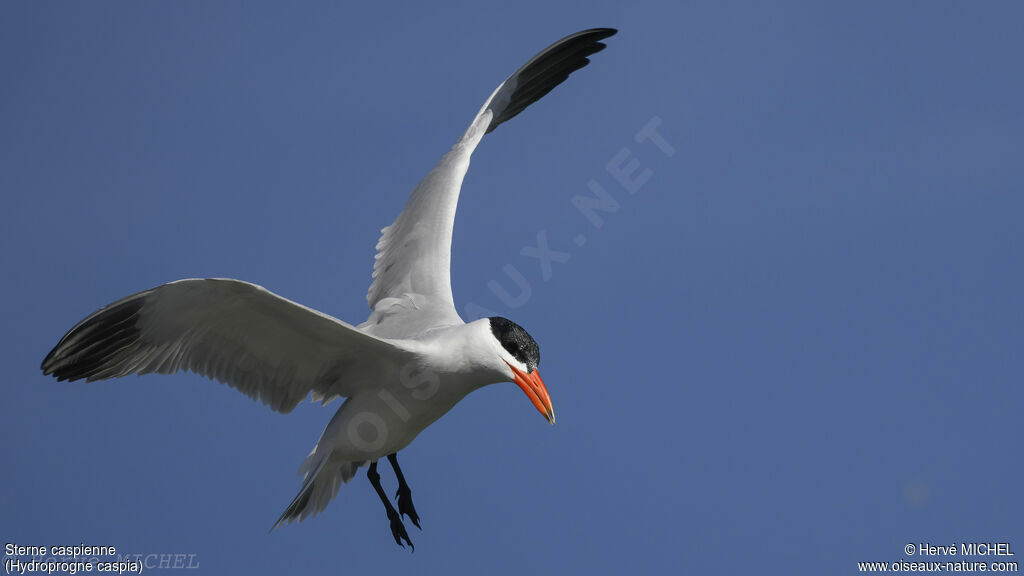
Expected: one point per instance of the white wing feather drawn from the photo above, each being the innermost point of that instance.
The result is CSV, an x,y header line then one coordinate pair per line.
x,y
267,347
411,291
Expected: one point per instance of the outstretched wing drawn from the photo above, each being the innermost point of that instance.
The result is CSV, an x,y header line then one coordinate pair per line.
x,y
411,290
269,348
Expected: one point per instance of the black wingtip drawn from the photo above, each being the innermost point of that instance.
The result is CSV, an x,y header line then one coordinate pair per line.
x,y
93,344
549,68
601,33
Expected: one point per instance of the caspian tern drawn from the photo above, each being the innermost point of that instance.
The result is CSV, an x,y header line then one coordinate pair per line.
x,y
405,367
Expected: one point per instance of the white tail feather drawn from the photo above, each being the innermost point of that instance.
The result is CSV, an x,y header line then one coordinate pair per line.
x,y
322,478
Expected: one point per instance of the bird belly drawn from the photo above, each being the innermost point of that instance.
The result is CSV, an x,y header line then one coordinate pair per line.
x,y
373,424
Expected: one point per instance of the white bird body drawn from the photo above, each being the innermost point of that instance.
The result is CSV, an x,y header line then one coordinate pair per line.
x,y
410,363
441,369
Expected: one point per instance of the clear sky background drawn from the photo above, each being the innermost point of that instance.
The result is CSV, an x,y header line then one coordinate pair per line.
x,y
795,347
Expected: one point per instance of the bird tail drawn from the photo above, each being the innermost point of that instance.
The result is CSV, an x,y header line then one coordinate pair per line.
x,y
323,477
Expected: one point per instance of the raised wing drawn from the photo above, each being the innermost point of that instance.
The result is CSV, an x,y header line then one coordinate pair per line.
x,y
411,290
269,348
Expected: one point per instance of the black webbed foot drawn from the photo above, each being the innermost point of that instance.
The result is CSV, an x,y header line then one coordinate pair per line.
x,y
405,507
404,494
398,530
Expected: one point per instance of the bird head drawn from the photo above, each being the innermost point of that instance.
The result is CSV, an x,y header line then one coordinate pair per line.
x,y
520,353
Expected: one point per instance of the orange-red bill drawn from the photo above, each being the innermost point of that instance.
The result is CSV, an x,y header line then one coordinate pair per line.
x,y
535,390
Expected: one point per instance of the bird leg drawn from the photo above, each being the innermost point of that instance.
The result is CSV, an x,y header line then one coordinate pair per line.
x,y
404,495
397,528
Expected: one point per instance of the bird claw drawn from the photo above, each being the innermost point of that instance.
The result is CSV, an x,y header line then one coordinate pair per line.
x,y
398,531
405,507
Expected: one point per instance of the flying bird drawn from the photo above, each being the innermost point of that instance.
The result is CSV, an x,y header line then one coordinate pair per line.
x,y
403,368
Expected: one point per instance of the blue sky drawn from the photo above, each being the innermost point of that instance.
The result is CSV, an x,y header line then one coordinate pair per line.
x,y
796,346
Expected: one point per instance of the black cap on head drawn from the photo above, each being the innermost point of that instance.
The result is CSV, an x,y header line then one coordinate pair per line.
x,y
516,342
